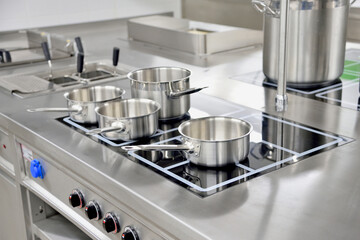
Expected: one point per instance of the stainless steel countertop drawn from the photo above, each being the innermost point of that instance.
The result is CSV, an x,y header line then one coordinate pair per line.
x,y
317,198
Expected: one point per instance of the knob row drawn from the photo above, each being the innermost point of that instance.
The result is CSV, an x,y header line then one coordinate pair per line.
x,y
110,223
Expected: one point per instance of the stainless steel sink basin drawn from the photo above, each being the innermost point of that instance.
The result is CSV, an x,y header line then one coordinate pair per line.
x,y
65,79
98,74
91,72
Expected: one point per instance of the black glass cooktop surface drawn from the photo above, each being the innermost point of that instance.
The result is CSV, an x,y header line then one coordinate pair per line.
x,y
274,143
343,92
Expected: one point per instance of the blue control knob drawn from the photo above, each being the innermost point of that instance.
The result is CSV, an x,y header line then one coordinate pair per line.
x,y
36,169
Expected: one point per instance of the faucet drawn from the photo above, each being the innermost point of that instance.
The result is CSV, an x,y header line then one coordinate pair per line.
x,y
281,99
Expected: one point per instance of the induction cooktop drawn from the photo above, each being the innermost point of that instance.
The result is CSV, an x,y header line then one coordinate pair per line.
x,y
344,92
274,143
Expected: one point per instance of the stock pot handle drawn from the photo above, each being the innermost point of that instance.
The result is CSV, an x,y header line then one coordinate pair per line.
x,y
262,7
185,92
158,147
74,110
119,127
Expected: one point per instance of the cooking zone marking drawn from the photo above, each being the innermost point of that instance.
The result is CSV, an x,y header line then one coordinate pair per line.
x,y
111,143
342,101
249,171
252,118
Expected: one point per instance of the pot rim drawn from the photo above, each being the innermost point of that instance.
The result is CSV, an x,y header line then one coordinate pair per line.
x,y
148,101
129,75
122,92
215,141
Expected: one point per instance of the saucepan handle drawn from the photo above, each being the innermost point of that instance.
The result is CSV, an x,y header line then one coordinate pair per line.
x,y
185,92
74,110
118,127
84,81
158,147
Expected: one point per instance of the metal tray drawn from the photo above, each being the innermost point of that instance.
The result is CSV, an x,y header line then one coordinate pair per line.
x,y
198,38
25,47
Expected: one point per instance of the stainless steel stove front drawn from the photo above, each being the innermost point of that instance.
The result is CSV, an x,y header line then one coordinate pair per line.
x,y
52,191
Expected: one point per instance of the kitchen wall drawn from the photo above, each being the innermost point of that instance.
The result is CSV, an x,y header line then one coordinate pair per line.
x,y
353,32
22,14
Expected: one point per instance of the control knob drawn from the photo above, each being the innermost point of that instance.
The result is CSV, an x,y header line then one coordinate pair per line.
x,y
36,169
76,199
93,211
130,234
111,223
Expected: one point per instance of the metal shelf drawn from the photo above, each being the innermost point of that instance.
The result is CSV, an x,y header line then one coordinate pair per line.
x,y
57,228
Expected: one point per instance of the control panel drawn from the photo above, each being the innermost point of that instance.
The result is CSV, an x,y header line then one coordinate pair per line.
x,y
93,211
111,217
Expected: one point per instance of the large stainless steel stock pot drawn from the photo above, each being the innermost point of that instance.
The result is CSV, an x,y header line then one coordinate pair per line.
x,y
169,86
210,141
127,119
81,103
316,44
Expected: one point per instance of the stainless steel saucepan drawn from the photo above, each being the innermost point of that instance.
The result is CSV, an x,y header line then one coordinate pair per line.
x,y
209,141
169,86
127,119
83,101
